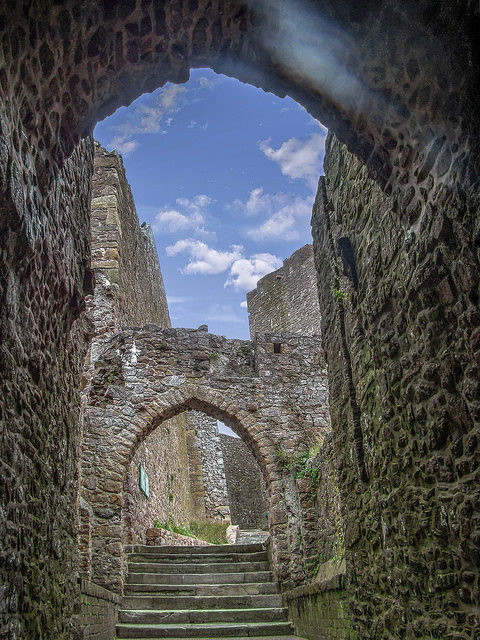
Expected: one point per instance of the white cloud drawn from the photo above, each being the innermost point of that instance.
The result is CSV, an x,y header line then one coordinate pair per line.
x,y
204,259
169,96
222,313
287,213
244,304
206,83
298,159
285,222
123,146
245,273
172,221
147,119
192,216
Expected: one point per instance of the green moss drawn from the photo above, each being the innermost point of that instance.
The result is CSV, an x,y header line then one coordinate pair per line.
x,y
209,530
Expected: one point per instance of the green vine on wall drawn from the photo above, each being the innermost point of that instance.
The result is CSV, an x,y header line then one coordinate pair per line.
x,y
302,465
338,294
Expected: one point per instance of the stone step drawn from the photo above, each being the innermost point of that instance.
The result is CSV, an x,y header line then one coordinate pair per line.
x,y
216,548
192,568
249,537
236,638
200,616
201,578
245,589
207,630
203,558
200,602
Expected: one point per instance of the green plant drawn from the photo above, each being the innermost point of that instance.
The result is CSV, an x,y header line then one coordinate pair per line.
x,y
301,464
209,530
339,294
214,355
162,346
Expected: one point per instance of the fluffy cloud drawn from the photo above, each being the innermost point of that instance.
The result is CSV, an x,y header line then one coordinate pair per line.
x,y
286,213
246,272
284,223
147,118
204,259
298,159
168,98
243,273
206,83
243,304
191,216
122,145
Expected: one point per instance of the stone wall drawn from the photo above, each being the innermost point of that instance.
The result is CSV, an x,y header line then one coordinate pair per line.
x,y
247,496
411,115
206,446
44,277
329,516
163,454
403,352
98,613
321,611
286,300
129,291
274,401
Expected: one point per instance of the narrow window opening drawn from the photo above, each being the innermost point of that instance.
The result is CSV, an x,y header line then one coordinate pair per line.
x,y
277,347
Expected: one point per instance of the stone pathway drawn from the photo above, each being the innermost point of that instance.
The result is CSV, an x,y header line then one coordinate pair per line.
x,y
224,591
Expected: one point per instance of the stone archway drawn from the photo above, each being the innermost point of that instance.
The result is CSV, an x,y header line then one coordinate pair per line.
x,y
413,122
149,375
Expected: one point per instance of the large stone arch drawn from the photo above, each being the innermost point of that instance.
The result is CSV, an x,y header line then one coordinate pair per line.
x,y
413,122
146,376
350,66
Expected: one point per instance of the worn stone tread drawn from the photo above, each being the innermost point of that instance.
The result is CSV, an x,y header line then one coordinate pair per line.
x,y
237,577
231,638
205,558
193,630
142,601
169,549
221,567
200,616
234,589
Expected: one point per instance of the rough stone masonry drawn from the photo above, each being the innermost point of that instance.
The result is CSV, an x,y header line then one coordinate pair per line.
x,y
129,291
403,95
148,375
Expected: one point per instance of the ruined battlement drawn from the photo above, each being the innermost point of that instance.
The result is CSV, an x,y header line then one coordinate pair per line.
x,y
286,299
195,354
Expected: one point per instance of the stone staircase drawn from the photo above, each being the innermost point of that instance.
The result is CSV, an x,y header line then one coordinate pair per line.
x,y
252,536
223,591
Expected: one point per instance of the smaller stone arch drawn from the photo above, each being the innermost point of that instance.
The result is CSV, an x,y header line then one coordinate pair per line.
x,y
218,406
106,495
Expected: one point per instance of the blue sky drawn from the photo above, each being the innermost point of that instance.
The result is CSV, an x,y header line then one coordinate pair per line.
x,y
226,175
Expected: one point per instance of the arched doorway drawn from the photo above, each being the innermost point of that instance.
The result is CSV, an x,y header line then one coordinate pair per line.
x,y
421,141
